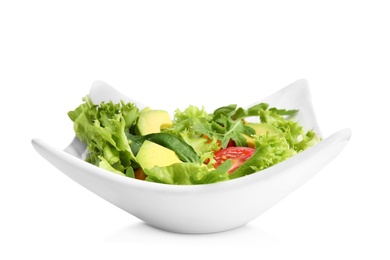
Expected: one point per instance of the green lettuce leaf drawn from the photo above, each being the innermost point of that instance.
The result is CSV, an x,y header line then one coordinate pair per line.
x,y
204,147
102,128
108,130
188,174
270,150
226,129
273,149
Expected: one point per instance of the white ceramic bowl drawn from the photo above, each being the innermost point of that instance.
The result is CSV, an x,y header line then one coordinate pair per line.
x,y
202,208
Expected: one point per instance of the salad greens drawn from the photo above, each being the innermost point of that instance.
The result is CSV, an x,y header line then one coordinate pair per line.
x,y
103,128
111,134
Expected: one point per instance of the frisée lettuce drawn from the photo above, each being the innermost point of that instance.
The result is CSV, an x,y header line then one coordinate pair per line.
x,y
102,128
113,140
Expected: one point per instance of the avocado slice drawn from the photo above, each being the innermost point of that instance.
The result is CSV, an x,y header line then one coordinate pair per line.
x,y
152,121
261,129
151,154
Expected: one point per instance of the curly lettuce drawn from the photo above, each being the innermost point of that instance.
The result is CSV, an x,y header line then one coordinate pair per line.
x,y
102,128
229,123
108,130
188,173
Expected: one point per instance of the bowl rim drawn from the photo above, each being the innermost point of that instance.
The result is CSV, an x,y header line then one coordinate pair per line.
x,y
271,172
252,179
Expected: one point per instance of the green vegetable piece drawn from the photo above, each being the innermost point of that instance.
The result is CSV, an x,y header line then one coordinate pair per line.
x,y
151,154
184,151
261,129
188,174
152,121
102,128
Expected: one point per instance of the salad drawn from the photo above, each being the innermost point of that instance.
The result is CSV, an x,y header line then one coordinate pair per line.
x,y
193,147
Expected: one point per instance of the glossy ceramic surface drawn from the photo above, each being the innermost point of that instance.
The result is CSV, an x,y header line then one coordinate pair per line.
x,y
202,208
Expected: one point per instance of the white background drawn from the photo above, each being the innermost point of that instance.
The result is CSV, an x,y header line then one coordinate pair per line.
x,y
173,53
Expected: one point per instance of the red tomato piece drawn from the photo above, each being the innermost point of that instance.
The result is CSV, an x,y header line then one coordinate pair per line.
x,y
231,143
238,155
